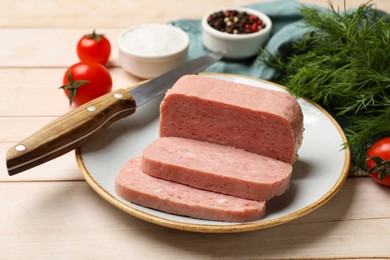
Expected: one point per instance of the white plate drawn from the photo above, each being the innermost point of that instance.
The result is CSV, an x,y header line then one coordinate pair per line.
x,y
318,174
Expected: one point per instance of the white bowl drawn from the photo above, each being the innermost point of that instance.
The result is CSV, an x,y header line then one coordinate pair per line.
x,y
238,46
149,50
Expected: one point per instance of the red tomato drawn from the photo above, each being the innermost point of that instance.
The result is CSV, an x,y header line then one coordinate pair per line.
x,y
378,161
94,47
85,81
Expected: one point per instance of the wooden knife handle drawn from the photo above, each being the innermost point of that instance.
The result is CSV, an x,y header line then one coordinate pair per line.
x,y
69,131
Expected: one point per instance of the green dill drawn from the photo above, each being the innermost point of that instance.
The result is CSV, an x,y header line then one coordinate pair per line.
x,y
343,63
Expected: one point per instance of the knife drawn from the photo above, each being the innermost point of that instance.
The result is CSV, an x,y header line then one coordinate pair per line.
x,y
81,124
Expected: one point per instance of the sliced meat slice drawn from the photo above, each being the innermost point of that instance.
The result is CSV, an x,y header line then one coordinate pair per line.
x,y
134,185
216,168
258,120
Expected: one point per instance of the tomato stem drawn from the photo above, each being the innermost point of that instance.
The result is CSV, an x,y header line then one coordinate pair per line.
x,y
72,86
382,167
94,35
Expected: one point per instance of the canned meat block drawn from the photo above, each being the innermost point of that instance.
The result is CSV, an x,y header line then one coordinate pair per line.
x,y
258,120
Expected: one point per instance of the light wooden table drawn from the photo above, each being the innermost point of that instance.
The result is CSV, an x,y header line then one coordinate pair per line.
x,y
50,211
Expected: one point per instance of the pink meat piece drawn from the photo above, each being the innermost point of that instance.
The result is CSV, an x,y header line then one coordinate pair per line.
x,y
134,185
216,168
258,120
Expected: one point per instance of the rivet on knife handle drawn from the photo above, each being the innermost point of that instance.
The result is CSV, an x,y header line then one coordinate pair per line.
x,y
69,131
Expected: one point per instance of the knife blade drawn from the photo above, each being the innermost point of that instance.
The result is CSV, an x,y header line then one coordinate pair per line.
x,y
82,123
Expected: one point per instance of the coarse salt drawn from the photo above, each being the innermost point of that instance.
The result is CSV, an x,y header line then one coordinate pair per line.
x,y
154,39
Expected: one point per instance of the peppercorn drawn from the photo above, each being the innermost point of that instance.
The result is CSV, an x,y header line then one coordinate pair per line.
x,y
235,22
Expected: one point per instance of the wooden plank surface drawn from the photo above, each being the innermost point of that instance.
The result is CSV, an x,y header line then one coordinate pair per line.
x,y
120,13
51,212
70,220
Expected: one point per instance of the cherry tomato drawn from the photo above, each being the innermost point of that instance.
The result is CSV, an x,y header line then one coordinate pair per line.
x,y
94,47
378,161
85,81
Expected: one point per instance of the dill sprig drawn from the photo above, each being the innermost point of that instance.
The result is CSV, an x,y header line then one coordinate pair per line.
x,y
343,63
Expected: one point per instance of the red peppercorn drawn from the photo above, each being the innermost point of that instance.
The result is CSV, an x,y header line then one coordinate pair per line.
x,y
259,22
253,17
254,27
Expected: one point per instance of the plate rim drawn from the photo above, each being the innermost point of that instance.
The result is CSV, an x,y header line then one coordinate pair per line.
x,y
234,228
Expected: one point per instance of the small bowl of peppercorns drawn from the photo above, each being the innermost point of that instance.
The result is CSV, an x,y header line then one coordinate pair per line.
x,y
241,32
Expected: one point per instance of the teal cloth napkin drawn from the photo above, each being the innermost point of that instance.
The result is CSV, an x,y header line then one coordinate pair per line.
x,y
285,29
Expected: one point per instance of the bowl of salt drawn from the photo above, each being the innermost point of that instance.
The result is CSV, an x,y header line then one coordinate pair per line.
x,y
149,50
